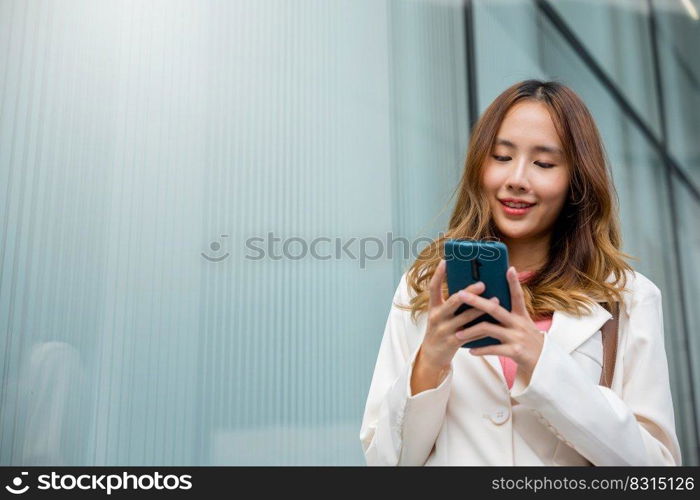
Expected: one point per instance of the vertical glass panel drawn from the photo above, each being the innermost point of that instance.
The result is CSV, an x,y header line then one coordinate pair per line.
x,y
429,116
688,207
507,46
678,35
616,33
192,196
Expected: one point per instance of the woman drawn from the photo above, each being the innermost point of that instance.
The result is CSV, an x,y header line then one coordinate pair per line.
x,y
536,178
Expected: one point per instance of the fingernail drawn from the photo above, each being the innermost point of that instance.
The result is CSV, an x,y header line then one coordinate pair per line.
x,y
495,299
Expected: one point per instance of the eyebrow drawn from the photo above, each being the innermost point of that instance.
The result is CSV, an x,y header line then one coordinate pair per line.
x,y
539,147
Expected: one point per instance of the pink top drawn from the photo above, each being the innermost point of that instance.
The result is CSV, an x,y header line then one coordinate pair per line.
x,y
510,366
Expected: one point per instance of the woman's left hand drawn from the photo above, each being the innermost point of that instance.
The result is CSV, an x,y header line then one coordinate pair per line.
x,y
520,338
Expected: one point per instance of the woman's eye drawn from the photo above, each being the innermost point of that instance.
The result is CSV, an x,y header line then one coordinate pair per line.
x,y
545,165
539,163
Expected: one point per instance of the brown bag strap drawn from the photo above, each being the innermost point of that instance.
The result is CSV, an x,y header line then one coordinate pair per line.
x,y
609,334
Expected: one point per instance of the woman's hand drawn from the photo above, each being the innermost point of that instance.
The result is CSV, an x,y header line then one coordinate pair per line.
x,y
520,338
440,343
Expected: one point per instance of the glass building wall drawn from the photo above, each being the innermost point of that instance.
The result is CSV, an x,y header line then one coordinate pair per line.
x,y
207,205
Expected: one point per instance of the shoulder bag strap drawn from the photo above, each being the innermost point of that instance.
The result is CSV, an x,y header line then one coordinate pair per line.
x,y
609,334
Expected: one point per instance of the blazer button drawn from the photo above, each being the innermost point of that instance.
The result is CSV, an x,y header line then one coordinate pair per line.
x,y
499,416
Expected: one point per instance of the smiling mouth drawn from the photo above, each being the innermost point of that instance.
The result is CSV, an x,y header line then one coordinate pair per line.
x,y
516,208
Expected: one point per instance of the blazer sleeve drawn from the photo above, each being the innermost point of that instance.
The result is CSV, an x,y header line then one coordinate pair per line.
x,y
634,428
397,428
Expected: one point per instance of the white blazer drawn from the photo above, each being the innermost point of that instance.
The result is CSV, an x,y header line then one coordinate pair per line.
x,y
563,417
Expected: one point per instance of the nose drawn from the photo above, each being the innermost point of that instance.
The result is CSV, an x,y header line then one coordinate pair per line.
x,y
517,177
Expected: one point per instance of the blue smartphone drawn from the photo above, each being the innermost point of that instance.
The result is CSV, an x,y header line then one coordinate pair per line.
x,y
468,261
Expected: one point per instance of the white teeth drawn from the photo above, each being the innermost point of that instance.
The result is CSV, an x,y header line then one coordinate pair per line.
x,y
515,205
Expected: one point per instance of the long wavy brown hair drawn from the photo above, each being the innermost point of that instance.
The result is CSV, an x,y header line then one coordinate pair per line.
x,y
585,262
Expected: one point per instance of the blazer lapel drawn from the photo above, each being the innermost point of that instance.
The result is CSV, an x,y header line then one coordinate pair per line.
x,y
572,331
567,330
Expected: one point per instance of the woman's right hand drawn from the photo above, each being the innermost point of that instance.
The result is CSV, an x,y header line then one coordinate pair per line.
x,y
440,343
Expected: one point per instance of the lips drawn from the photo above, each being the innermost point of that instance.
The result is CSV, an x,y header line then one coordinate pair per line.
x,y
514,206
516,202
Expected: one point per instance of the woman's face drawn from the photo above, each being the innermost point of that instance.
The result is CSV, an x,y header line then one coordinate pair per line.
x,y
527,165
